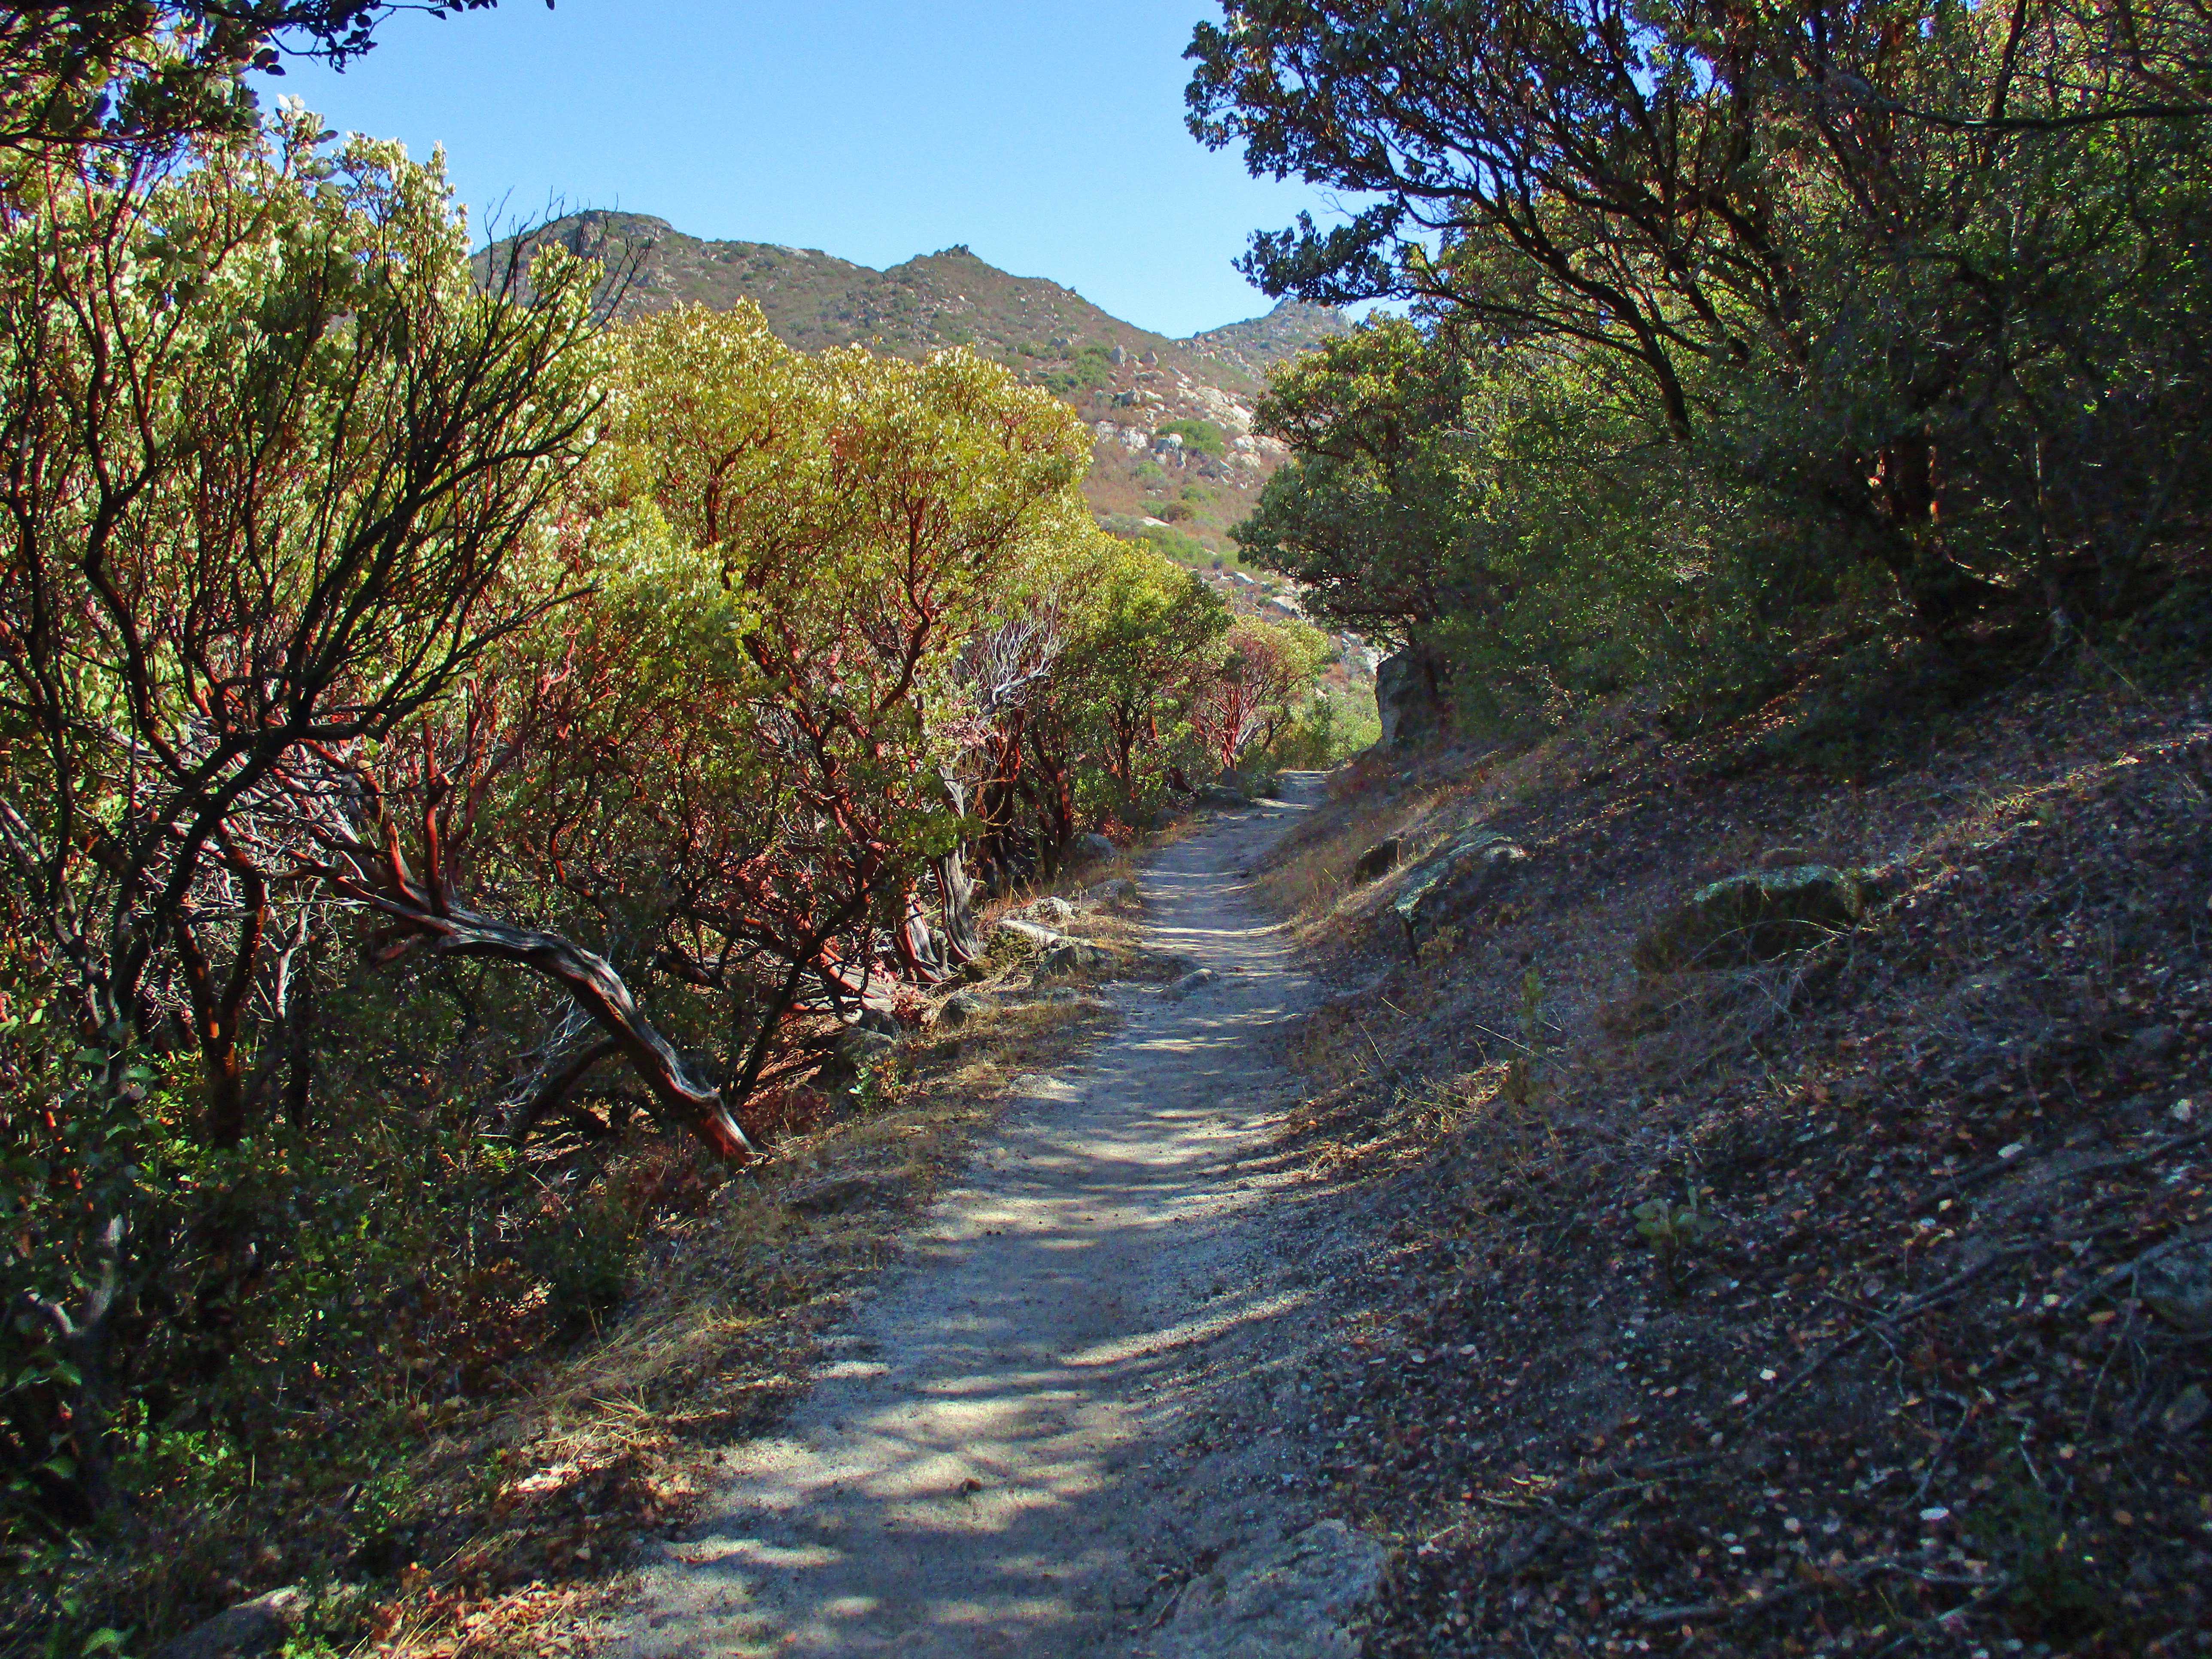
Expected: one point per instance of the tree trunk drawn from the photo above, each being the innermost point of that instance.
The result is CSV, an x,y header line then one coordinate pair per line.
x,y
450,930
558,1089
217,1014
957,891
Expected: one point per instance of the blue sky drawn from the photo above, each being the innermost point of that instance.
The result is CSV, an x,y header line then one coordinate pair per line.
x,y
1047,135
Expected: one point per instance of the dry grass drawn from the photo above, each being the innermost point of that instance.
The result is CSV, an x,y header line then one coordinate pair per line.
x,y
533,1512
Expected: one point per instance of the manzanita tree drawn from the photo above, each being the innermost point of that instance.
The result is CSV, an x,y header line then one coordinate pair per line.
x,y
268,453
872,524
1249,701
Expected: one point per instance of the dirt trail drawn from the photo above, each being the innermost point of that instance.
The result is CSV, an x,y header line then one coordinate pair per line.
x,y
989,1463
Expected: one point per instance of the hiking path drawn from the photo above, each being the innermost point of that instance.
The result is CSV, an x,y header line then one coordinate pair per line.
x,y
994,1457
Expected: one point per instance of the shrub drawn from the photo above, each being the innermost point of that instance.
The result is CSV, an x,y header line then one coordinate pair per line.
x,y
1202,437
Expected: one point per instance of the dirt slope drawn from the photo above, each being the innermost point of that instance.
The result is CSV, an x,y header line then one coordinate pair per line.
x,y
1930,1373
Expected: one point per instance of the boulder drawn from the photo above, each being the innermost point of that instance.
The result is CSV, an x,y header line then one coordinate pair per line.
x,y
1379,859
857,1048
1094,849
1453,882
1410,697
1052,912
1035,932
1115,891
1220,795
960,1009
1754,917
249,1629
881,1021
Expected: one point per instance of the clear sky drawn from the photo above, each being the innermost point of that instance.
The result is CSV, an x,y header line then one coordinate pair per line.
x,y
1046,135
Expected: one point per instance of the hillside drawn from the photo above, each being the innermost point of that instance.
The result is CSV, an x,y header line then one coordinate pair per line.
x,y
1182,485
1921,1371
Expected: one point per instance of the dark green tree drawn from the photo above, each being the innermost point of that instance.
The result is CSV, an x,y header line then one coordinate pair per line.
x,y
132,73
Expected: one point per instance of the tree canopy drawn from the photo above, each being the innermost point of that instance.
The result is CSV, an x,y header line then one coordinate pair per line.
x,y
1889,301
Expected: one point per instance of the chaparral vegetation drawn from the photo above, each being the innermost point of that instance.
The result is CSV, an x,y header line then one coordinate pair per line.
x,y
449,740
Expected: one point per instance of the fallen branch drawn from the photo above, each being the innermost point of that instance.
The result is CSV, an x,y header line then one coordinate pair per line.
x,y
1727,1612
2090,1293
1905,1311
2104,1165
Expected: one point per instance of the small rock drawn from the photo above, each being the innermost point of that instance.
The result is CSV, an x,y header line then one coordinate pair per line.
x,y
881,1021
1191,982
1111,892
960,1009
838,1193
2178,1287
1033,931
252,1627
1051,911
1379,859
2189,1408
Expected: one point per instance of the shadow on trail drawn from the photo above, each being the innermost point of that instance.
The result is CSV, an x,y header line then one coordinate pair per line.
x,y
976,1467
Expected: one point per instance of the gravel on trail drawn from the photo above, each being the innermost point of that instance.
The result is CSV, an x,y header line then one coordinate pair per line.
x,y
999,1456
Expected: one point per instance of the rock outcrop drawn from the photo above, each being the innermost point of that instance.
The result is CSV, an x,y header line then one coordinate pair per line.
x,y
261,1625
1755,917
1272,1598
1410,695
1449,884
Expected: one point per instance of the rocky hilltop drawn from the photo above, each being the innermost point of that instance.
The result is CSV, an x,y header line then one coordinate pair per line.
x,y
1176,461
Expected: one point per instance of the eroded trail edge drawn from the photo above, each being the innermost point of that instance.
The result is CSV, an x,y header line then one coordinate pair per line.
x,y
989,1463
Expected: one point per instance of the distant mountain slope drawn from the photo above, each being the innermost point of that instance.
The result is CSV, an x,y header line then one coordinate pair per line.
x,y
1184,488
1290,330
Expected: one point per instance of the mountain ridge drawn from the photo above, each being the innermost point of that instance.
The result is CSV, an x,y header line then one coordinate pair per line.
x,y
676,266
1175,458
